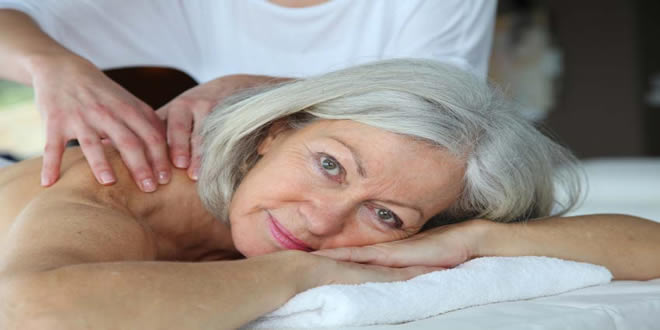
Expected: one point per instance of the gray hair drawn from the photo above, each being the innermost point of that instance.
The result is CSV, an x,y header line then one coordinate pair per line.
x,y
511,167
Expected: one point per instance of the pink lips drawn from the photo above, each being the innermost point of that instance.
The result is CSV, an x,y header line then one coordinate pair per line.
x,y
284,237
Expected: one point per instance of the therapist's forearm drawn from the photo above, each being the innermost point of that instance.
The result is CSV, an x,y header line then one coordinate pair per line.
x,y
628,246
157,295
23,46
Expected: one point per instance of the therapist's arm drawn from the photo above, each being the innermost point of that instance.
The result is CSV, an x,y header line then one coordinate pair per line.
x,y
77,101
21,44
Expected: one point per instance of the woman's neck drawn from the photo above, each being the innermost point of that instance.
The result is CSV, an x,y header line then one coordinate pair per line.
x,y
184,229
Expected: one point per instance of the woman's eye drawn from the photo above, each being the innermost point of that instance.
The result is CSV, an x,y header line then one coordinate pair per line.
x,y
389,218
330,165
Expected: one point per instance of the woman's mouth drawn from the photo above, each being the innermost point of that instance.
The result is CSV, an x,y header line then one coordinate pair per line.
x,y
284,237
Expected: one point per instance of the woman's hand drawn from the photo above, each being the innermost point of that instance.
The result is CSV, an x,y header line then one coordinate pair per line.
x,y
186,113
345,272
320,270
77,101
445,246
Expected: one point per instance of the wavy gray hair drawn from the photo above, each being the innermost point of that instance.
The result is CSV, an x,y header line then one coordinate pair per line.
x,y
511,167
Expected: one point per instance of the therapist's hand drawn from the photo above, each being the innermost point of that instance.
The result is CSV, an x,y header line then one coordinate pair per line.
x,y
185,115
77,101
445,246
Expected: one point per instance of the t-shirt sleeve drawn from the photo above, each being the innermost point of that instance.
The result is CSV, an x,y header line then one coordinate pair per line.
x,y
117,33
456,31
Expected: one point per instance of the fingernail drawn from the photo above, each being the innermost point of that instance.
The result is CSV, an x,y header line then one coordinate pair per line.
x,y
148,185
195,174
106,177
45,180
163,177
181,162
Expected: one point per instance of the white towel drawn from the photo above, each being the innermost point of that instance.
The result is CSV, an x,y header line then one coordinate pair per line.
x,y
476,282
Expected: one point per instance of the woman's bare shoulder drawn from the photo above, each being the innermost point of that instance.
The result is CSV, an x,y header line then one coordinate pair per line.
x,y
74,221
75,176
20,185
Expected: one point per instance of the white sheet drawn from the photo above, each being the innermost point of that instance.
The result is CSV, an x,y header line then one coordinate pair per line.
x,y
620,305
630,186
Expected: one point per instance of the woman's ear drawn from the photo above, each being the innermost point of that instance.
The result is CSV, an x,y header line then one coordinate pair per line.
x,y
274,131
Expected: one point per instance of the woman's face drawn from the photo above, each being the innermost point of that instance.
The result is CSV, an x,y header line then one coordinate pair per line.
x,y
338,183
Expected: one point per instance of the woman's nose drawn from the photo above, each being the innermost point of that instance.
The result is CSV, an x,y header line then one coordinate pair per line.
x,y
326,215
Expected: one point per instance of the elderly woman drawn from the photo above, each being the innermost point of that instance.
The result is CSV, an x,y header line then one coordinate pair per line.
x,y
351,165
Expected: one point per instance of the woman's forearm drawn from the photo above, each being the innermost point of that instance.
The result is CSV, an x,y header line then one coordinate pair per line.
x,y
159,295
628,246
23,45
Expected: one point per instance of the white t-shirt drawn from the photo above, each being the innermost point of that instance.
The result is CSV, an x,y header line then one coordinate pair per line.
x,y
209,39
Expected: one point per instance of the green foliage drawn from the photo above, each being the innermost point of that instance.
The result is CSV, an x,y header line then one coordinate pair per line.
x,y
12,93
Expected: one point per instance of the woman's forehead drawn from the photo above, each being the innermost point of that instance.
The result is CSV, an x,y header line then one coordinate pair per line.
x,y
378,143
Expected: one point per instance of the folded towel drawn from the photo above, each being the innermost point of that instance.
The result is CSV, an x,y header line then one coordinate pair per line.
x,y
476,282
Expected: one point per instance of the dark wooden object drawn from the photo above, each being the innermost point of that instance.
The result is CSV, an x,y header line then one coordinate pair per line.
x,y
154,85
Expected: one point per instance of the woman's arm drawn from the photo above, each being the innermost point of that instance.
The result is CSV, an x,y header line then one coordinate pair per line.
x,y
70,263
628,246
155,295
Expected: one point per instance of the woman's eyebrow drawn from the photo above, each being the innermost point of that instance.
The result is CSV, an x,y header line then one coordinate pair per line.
x,y
363,173
355,154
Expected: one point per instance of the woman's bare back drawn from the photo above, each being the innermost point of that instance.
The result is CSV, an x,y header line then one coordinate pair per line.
x,y
20,183
161,229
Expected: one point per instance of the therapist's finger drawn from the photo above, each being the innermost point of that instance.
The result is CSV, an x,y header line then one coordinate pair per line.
x,y
179,127
196,143
162,113
131,151
50,167
92,148
151,145
196,157
153,133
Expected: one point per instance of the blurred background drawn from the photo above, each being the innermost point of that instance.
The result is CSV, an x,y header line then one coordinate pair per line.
x,y
587,72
